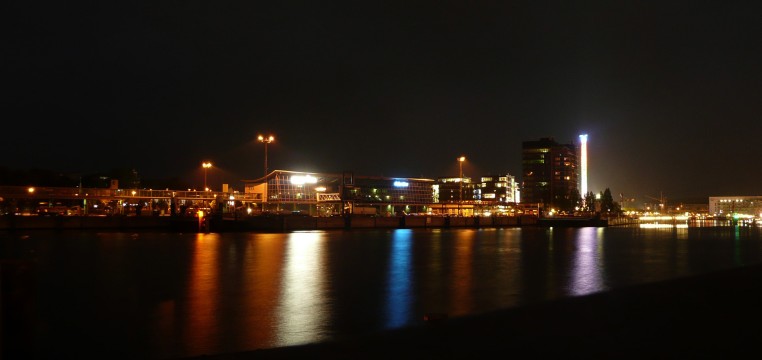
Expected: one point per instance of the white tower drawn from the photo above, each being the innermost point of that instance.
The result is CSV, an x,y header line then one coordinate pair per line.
x,y
583,165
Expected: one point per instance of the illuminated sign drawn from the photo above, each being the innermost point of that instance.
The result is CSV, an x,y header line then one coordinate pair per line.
x,y
399,183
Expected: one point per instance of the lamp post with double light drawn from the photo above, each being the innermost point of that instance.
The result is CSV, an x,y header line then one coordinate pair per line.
x,y
206,166
266,140
460,183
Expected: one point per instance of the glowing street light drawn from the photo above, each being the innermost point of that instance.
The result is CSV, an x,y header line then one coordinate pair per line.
x,y
460,183
206,166
266,140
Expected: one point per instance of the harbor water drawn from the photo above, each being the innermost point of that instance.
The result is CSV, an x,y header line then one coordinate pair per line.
x,y
170,295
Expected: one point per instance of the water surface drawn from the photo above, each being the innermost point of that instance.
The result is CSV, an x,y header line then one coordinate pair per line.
x,y
166,295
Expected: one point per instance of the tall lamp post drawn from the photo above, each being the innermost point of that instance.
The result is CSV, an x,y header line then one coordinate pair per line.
x,y
206,166
266,140
460,183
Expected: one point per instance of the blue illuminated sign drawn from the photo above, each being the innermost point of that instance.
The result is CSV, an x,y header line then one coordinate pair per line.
x,y
399,183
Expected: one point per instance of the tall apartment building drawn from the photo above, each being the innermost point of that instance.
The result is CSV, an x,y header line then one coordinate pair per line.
x,y
550,174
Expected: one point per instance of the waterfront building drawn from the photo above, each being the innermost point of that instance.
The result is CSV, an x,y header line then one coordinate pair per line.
x,y
326,194
731,205
454,195
550,174
500,189
489,195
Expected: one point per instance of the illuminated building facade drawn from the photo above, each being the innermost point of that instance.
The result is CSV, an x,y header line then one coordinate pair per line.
x,y
550,174
324,194
447,188
501,189
730,205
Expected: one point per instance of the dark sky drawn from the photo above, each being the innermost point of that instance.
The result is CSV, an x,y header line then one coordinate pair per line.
x,y
670,93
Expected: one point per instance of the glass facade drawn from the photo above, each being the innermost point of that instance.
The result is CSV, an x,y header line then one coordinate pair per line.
x,y
331,194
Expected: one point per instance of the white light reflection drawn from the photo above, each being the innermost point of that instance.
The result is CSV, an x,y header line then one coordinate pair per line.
x,y
587,262
663,226
399,280
302,309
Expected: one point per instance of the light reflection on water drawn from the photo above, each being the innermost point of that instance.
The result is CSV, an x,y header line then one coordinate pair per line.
x,y
587,263
302,309
203,293
399,280
175,295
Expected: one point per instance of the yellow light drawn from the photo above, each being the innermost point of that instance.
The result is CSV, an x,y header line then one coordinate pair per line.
x,y
462,159
133,192
320,188
30,190
206,165
268,139
200,214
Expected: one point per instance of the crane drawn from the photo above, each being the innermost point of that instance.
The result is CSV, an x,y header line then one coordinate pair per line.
x,y
623,200
662,200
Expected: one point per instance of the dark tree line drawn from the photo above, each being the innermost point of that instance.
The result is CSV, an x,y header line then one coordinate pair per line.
x,y
590,202
604,203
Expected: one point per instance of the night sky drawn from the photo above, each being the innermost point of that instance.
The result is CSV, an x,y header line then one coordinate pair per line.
x,y
670,93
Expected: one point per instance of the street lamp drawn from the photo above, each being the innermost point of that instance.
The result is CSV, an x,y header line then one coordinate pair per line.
x,y
206,166
266,140
460,183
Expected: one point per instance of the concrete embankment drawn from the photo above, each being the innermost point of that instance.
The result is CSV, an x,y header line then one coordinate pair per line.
x,y
84,222
255,223
712,316
289,223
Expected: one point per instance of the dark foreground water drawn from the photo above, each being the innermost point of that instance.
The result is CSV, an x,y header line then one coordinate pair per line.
x,y
167,295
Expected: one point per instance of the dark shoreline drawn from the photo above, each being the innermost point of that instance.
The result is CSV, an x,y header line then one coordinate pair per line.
x,y
714,315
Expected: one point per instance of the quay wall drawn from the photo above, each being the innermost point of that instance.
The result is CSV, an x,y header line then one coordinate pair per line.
x,y
82,222
257,223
